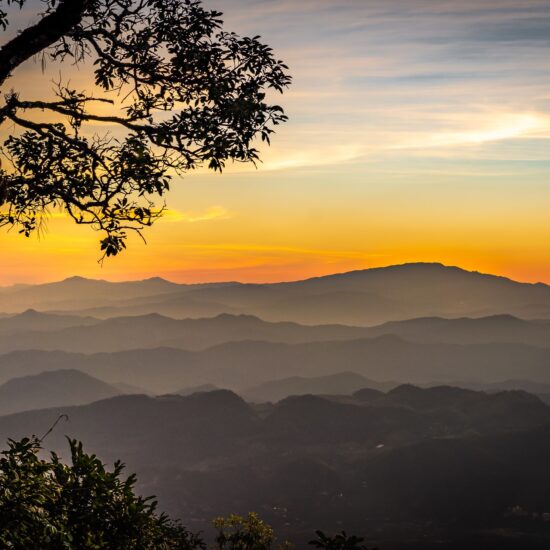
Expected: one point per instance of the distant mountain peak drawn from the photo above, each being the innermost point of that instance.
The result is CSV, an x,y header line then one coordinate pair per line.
x,y
76,279
420,265
242,316
158,280
63,387
32,313
434,267
79,279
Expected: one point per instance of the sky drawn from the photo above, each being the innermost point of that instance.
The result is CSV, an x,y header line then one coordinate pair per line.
x,y
419,131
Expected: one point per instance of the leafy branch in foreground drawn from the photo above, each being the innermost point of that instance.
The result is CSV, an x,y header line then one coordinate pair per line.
x,y
171,88
49,505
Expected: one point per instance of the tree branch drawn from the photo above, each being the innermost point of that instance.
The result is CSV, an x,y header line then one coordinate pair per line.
x,y
62,108
46,32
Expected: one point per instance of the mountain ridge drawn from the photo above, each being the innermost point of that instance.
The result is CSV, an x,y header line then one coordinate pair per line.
x,y
243,364
354,272
152,330
362,297
63,387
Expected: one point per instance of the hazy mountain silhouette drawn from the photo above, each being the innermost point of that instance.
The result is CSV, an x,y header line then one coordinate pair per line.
x,y
373,296
493,329
139,427
367,395
450,457
365,297
197,389
32,320
153,330
33,330
79,292
344,383
130,389
52,389
160,370
540,389
242,365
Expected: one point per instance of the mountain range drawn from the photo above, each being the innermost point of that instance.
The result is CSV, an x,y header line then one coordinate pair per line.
x,y
241,365
366,297
33,330
342,383
407,403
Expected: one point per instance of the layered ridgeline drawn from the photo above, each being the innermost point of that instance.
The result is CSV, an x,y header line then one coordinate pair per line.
x,y
241,364
317,424
159,354
34,330
366,297
398,465
51,389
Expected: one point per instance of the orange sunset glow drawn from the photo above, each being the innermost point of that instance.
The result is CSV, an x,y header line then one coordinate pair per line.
x,y
432,149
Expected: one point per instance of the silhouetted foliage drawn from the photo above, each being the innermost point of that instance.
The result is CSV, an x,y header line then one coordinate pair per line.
x,y
178,89
245,533
49,505
340,541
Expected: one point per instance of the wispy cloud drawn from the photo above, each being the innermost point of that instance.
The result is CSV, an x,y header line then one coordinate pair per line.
x,y
380,76
401,75
210,214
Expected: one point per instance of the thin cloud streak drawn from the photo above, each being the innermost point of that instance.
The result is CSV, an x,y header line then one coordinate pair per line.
x,y
361,68
211,214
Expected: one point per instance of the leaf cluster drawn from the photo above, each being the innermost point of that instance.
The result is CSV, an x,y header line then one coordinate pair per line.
x,y
245,533
50,505
176,92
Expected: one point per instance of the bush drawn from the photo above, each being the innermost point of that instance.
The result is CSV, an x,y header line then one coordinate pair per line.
x,y
245,533
49,505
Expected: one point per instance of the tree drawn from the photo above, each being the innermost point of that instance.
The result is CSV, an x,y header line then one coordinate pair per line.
x,y
245,533
175,89
49,505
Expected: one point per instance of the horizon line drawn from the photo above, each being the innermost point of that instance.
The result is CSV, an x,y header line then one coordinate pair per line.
x,y
237,282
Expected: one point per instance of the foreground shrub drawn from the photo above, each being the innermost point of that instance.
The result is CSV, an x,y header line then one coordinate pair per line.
x,y
246,533
49,505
